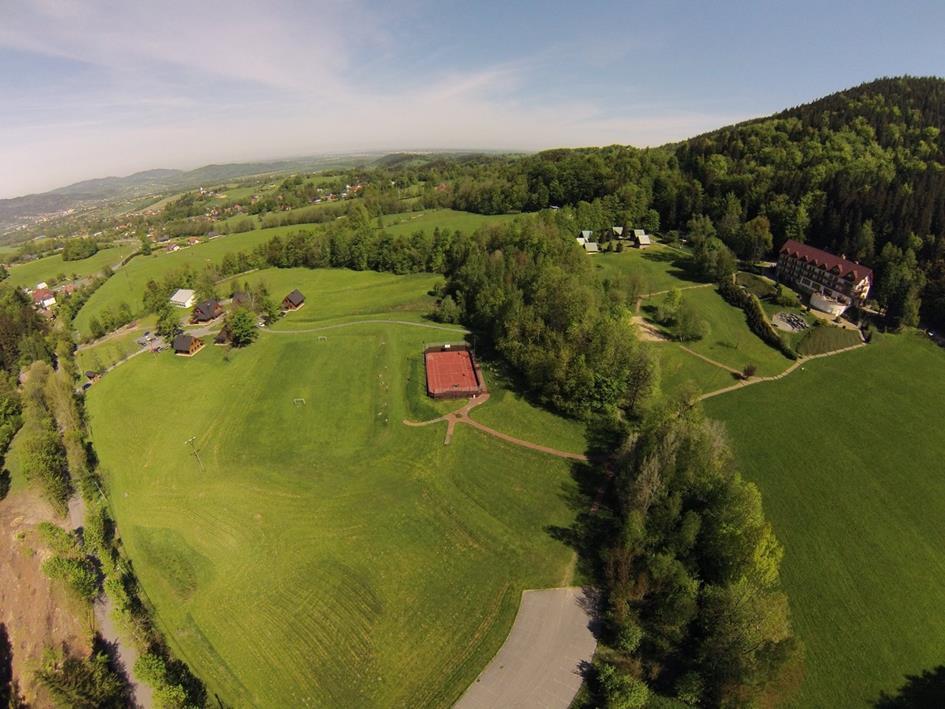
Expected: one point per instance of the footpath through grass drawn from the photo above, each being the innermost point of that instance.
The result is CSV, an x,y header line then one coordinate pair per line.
x,y
323,554
848,452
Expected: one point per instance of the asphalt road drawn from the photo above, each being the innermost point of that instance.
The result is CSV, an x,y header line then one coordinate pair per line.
x,y
540,665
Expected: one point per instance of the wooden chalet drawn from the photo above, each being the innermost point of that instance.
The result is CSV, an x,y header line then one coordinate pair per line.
x,y
206,311
187,345
293,301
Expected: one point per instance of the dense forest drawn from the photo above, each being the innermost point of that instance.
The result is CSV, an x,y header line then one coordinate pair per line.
x,y
860,172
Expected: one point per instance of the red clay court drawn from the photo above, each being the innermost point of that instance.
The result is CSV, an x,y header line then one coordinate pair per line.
x,y
452,373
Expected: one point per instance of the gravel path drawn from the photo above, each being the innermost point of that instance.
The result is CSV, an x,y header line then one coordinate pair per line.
x,y
541,664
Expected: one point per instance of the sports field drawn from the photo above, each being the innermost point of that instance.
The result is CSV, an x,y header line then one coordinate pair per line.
x,y
127,285
43,269
848,452
322,553
446,219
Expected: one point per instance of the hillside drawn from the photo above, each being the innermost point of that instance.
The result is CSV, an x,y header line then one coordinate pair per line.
x,y
89,192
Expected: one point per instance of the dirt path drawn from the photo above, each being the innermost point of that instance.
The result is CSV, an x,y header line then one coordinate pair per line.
x,y
669,290
757,380
710,361
461,415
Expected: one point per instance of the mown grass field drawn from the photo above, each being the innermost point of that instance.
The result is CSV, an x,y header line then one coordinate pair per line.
x,y
680,371
848,453
340,293
325,554
446,219
27,275
658,267
127,285
729,341
114,347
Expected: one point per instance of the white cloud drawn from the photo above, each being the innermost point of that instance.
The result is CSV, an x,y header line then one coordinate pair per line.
x,y
179,84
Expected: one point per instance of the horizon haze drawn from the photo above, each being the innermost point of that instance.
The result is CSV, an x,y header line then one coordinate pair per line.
x,y
94,89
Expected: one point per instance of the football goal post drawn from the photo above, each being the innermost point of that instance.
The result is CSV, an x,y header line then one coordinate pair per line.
x,y
298,402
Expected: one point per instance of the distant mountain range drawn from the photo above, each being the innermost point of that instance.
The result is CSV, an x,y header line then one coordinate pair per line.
x,y
18,210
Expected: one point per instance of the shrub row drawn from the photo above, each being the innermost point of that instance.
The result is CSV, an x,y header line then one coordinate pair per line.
x,y
757,320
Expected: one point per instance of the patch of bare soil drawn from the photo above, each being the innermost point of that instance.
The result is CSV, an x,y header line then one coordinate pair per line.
x,y
647,332
34,612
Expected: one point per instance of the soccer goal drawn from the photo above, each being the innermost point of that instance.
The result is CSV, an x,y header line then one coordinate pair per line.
x,y
298,402
323,338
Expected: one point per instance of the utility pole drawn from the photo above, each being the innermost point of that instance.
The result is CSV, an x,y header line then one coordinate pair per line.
x,y
193,447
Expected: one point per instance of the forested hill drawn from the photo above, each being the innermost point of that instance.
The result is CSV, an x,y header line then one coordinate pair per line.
x,y
860,172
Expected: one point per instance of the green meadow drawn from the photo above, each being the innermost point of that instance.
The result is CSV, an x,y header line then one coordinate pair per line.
x,y
27,275
728,340
658,267
446,219
848,453
323,553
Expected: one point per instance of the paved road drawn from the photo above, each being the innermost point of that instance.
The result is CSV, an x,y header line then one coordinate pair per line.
x,y
540,665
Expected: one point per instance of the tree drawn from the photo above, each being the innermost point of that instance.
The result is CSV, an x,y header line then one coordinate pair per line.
x,y
96,328
240,325
714,260
79,683
168,324
667,309
756,238
145,246
690,326
207,285
446,310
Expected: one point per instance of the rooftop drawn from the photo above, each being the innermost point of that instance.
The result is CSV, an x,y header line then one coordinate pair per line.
x,y
830,262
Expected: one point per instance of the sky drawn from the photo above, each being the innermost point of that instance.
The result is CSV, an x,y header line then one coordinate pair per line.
x,y
108,87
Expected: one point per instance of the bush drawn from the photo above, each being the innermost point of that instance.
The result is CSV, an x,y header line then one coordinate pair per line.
x,y
689,326
84,683
757,320
620,690
78,575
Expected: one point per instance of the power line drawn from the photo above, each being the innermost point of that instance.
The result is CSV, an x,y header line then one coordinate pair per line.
x,y
196,453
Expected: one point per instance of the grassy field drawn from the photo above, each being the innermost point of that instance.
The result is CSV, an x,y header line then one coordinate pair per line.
x,y
680,371
729,341
659,267
43,269
325,554
848,453
509,412
826,338
448,219
340,293
127,285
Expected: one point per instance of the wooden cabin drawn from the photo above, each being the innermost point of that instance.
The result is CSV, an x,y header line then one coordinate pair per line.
x,y
293,301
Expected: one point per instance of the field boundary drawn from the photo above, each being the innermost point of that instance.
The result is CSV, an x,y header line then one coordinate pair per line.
x,y
757,380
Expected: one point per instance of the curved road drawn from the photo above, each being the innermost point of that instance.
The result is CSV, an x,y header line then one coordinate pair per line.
x,y
542,662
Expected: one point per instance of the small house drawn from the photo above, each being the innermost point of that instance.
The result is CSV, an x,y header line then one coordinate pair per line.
x,y
193,241
641,239
293,301
92,376
206,311
591,247
617,231
581,241
187,345
183,298
43,298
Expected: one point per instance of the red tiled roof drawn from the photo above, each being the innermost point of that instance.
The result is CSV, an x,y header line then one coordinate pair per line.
x,y
41,294
818,257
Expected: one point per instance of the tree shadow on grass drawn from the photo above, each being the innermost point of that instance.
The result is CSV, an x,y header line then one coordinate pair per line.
x,y
921,691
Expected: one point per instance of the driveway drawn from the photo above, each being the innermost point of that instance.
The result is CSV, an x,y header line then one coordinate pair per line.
x,y
540,665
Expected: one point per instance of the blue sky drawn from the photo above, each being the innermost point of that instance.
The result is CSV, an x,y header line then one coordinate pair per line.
x,y
96,88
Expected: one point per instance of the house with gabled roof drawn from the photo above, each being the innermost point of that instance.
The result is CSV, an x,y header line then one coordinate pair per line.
x,y
206,311
293,301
